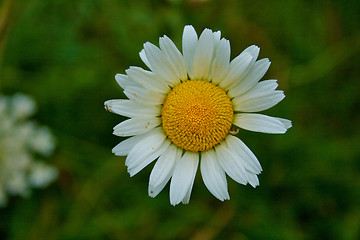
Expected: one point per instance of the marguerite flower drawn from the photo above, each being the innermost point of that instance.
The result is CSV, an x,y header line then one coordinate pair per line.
x,y
184,111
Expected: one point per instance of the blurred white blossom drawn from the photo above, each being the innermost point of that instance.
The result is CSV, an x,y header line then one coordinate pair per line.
x,y
22,106
21,142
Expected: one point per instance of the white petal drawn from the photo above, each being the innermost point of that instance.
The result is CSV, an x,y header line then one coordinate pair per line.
x,y
160,64
136,126
257,71
259,123
155,190
134,169
123,148
203,55
287,123
265,86
147,79
221,63
145,147
253,179
231,162
189,41
213,175
239,67
144,59
259,103
247,157
124,81
217,36
129,109
183,177
261,97
174,55
144,96
163,169
253,50
186,199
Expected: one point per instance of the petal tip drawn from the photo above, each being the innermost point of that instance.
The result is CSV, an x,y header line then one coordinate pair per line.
x,y
151,193
107,106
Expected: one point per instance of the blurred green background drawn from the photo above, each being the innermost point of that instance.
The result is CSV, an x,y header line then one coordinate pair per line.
x,y
65,54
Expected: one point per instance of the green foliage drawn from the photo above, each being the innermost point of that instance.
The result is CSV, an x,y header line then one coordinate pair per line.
x,y
66,53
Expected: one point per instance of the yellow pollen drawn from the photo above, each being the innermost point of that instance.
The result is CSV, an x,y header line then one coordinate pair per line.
x,y
197,115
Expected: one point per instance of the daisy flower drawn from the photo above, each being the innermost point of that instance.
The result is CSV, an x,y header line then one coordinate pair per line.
x,y
184,111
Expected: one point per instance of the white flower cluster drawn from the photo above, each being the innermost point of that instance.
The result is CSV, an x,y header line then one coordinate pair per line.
x,y
21,141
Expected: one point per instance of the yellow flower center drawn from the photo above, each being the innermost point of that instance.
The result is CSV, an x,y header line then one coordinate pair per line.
x,y
197,115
